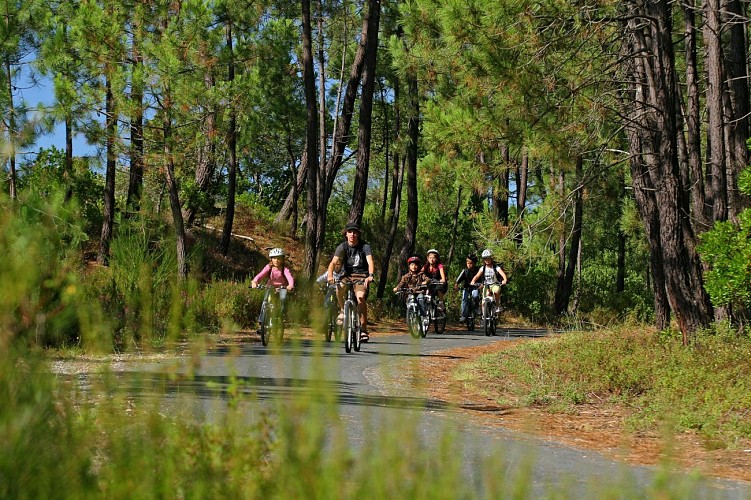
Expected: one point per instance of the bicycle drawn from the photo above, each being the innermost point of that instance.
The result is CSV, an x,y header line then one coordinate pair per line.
x,y
351,323
270,321
474,305
330,311
434,314
489,314
415,324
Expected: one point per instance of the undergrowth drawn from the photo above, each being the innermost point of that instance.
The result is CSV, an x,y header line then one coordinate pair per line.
x,y
704,387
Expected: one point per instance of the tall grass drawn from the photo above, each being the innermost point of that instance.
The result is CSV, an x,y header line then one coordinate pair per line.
x,y
703,387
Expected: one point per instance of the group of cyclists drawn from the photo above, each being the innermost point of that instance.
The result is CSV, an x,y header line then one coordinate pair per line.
x,y
353,260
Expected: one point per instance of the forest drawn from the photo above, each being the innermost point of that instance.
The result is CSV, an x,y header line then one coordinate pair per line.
x,y
598,147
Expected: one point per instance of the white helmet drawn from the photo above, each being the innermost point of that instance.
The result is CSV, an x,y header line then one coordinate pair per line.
x,y
433,250
276,252
486,253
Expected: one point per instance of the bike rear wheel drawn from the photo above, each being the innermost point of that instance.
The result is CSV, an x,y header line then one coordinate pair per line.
x,y
439,322
470,323
348,327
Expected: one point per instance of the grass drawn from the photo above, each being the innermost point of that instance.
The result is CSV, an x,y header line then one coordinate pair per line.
x,y
703,387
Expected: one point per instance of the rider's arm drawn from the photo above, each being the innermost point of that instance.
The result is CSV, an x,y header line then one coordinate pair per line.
x,y
371,267
443,272
503,275
477,276
264,272
290,278
330,271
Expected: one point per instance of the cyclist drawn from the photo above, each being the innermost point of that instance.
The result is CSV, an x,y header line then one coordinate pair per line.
x,y
434,270
413,280
492,275
278,274
324,279
357,262
470,293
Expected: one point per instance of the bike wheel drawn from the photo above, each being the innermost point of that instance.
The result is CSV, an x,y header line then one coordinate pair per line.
x,y
492,326
347,326
263,326
330,322
414,324
356,341
279,329
488,318
439,322
470,323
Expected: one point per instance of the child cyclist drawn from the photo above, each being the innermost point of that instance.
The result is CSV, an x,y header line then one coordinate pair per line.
x,y
434,270
492,275
323,281
277,274
470,293
414,280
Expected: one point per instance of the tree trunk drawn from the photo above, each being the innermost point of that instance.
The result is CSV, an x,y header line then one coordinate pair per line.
x,y
502,188
366,115
565,286
393,225
716,175
341,132
522,172
174,194
737,122
206,152
386,154
229,215
135,179
108,211
11,131
693,122
650,103
413,132
311,131
620,277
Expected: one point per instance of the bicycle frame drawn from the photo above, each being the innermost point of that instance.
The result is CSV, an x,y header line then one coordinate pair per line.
x,y
270,320
351,324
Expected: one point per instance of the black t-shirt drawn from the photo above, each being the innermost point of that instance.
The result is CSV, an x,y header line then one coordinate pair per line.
x,y
354,258
466,276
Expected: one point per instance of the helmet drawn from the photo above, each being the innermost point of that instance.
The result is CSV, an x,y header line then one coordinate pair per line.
x,y
414,259
433,250
486,253
276,252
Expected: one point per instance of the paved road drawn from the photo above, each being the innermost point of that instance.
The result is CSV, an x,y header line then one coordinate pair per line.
x,y
368,389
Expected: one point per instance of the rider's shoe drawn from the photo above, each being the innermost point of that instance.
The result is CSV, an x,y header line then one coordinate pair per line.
x,y
364,337
340,319
498,310
462,319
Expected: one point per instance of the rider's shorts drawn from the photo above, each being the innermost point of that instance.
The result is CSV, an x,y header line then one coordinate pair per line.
x,y
358,287
495,287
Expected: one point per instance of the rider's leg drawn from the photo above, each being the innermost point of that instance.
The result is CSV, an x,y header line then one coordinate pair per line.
x,y
362,308
283,299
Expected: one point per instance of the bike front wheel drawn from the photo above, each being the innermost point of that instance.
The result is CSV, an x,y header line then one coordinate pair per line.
x,y
348,327
414,324
264,326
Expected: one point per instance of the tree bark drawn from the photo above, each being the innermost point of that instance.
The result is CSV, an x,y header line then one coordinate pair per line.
x,y
393,225
135,179
229,215
413,135
716,175
737,122
12,190
311,131
108,212
693,122
365,124
174,193
651,127
565,286
522,172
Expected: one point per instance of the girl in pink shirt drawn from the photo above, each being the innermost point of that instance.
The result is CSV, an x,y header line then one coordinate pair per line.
x,y
279,275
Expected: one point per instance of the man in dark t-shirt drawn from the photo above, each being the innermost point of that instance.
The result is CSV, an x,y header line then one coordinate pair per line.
x,y
357,264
